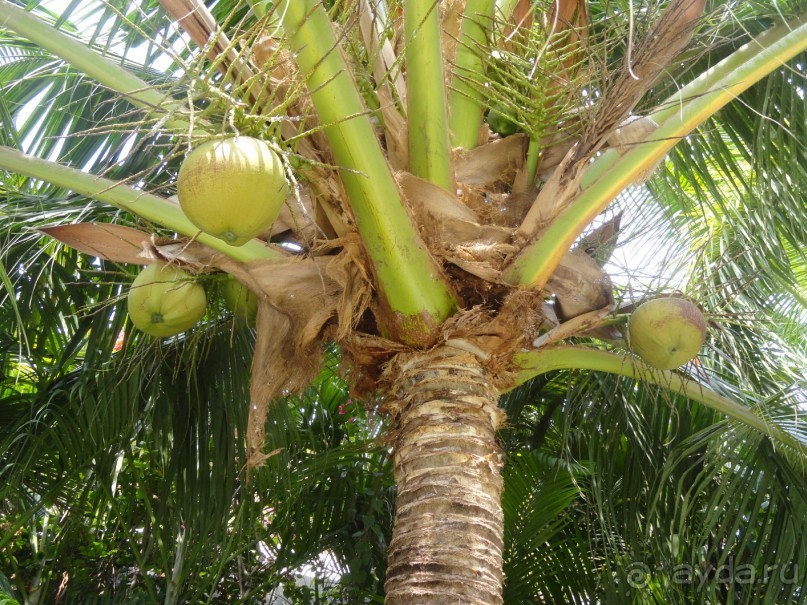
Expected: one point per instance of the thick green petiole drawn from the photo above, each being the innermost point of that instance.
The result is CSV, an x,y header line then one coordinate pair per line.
x,y
541,361
429,143
467,82
410,281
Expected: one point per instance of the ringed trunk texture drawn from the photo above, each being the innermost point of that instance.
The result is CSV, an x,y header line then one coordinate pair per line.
x,y
448,534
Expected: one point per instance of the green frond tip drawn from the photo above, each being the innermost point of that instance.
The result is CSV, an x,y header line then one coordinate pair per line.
x,y
545,360
150,207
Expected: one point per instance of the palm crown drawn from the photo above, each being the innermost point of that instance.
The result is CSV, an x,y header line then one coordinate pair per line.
x,y
446,162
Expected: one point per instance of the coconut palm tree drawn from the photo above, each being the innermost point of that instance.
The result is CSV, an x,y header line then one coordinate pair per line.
x,y
446,162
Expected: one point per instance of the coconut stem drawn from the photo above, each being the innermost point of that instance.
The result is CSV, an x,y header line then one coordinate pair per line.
x,y
467,82
429,146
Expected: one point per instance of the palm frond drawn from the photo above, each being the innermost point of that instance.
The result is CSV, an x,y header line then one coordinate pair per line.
x,y
666,488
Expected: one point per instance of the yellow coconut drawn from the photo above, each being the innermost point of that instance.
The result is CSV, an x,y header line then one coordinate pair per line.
x,y
232,188
666,332
164,301
240,300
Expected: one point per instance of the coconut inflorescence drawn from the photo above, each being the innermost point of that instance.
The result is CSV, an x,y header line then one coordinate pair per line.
x,y
666,332
232,188
165,301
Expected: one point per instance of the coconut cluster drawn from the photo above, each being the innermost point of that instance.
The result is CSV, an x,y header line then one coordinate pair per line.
x,y
233,189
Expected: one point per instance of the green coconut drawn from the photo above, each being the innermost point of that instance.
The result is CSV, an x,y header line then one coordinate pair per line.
x,y
666,332
165,301
232,188
240,300
502,121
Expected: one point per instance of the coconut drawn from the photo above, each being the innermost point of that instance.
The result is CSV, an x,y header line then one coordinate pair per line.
x,y
232,188
165,301
502,121
240,300
666,332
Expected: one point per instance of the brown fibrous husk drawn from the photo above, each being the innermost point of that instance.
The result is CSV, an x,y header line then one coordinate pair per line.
x,y
302,301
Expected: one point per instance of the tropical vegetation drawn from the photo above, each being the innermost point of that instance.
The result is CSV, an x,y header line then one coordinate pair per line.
x,y
436,400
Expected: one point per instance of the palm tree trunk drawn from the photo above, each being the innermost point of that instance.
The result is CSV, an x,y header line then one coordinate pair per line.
x,y
448,534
